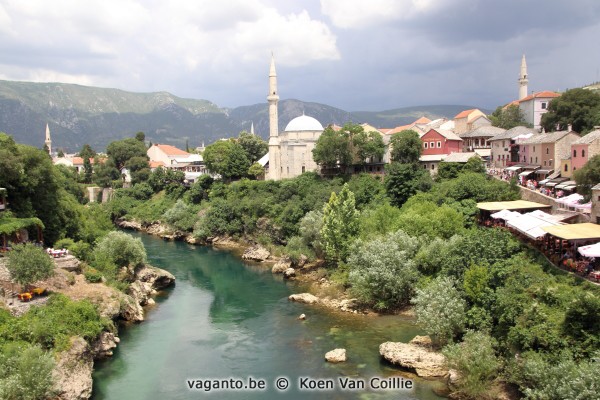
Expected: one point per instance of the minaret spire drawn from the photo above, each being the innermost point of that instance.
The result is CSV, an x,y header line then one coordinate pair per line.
x,y
48,140
273,99
252,128
523,79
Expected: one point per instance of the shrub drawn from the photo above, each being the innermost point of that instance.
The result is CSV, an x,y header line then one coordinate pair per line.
x,y
310,230
296,247
92,275
382,271
181,216
120,250
25,372
440,309
64,244
476,362
28,263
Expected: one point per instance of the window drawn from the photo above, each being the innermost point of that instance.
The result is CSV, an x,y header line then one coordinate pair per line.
x,y
530,160
439,145
432,166
503,156
431,145
566,167
424,166
550,163
498,157
425,144
533,148
574,153
536,160
582,153
544,163
547,150
544,105
303,169
503,143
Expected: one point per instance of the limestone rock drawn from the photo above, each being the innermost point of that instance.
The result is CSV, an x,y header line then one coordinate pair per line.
x,y
73,371
423,341
156,277
302,317
256,253
414,357
104,345
192,240
68,263
281,265
306,298
289,273
336,356
131,310
134,225
302,260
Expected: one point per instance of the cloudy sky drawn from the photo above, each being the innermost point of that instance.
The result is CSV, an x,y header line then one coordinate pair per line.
x,y
352,54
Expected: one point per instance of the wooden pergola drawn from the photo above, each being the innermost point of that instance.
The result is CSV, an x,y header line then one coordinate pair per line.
x,y
11,225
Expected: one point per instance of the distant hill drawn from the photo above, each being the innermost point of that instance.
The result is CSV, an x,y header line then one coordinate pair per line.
x,y
82,114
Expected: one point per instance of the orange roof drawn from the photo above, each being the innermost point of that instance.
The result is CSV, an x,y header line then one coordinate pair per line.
x,y
544,94
79,160
384,130
512,103
422,120
399,129
156,164
172,150
464,114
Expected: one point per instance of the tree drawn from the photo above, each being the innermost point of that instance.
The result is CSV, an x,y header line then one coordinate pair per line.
x,y
508,117
404,180
476,363
440,309
253,146
332,150
105,172
227,158
382,271
368,145
588,176
340,225
28,264
25,372
138,168
406,147
579,108
256,170
87,152
140,137
60,153
87,170
119,249
120,151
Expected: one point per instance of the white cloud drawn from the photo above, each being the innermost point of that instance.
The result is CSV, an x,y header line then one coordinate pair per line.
x,y
360,14
145,44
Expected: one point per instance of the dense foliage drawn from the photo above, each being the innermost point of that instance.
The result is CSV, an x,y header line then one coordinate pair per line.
x,y
25,372
579,108
28,263
508,117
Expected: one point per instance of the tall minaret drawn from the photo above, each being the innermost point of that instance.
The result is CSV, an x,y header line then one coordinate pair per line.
x,y
252,128
523,79
48,140
274,150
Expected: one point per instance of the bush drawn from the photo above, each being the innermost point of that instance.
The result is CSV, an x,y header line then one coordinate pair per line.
x,y
440,309
181,216
64,244
118,249
310,230
25,372
382,271
296,247
28,263
92,275
476,362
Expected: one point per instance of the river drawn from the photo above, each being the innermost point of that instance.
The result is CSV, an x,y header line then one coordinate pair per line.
x,y
225,319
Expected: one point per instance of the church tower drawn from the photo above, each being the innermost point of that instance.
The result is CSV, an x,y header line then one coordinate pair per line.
x,y
274,149
523,79
48,140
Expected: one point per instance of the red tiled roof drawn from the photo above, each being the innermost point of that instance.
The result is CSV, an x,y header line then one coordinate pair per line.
x,y
399,129
544,94
384,130
79,160
464,114
422,120
156,164
172,150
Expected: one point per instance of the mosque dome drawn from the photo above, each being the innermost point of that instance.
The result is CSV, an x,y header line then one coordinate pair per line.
x,y
303,123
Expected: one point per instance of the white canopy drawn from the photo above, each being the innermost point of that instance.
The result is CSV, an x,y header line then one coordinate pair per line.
x,y
570,198
505,215
593,250
530,224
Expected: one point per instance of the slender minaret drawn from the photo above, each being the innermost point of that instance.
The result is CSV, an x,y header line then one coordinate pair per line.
x,y
48,140
523,79
274,150
252,128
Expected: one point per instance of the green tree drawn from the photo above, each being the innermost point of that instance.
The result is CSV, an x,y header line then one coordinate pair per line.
x,y
440,309
138,168
368,146
140,137
256,170
227,158
382,271
588,176
404,180
121,151
105,172
340,225
28,264
332,150
476,363
118,249
406,147
579,108
87,152
60,153
508,117
254,146
25,372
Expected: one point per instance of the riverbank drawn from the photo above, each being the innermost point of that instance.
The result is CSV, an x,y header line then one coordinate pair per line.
x,y
74,366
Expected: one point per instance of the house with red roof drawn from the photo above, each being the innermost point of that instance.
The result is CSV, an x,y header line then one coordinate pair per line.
x,y
168,156
469,120
437,144
535,105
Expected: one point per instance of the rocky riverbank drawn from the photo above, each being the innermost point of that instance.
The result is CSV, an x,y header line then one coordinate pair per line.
x,y
73,371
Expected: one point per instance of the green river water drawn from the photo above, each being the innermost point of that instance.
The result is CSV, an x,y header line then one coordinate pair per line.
x,y
227,319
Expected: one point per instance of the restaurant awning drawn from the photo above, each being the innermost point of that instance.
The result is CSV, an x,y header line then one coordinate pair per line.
x,y
564,185
510,205
531,223
556,181
585,231
528,172
514,168
543,171
505,215
592,250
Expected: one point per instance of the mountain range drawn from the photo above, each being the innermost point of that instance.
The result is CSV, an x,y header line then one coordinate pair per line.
x,y
82,114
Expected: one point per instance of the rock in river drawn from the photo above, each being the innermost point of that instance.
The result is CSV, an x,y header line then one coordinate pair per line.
x,y
336,356
256,253
281,266
306,298
415,356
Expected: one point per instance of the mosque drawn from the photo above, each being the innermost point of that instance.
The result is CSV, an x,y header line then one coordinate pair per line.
x,y
290,152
